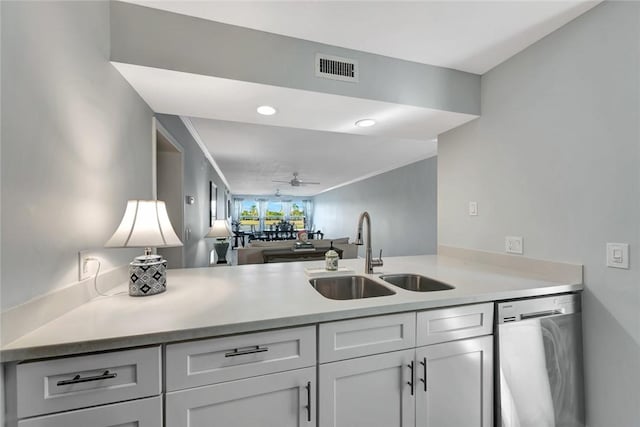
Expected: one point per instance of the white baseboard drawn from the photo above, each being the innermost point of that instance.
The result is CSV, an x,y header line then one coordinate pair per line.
x,y
24,318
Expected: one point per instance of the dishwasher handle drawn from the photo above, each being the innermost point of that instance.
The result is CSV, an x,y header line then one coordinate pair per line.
x,y
538,314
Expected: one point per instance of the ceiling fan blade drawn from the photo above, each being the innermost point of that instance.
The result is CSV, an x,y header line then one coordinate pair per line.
x,y
296,182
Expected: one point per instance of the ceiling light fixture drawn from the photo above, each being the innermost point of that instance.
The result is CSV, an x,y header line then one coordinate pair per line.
x,y
365,123
266,110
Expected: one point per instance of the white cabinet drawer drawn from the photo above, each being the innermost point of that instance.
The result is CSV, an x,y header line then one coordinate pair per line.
x,y
454,323
76,382
197,363
138,413
361,337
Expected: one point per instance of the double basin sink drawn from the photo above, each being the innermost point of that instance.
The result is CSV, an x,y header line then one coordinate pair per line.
x,y
355,287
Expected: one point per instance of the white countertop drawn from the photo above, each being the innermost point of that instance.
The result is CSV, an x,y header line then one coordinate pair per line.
x,y
204,302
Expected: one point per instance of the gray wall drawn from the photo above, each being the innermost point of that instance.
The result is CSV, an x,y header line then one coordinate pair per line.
x,y
160,39
197,174
76,144
555,158
402,205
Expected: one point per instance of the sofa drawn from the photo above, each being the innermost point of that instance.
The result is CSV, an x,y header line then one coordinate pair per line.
x,y
252,253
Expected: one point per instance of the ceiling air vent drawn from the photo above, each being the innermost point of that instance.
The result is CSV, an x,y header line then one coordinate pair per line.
x,y
336,68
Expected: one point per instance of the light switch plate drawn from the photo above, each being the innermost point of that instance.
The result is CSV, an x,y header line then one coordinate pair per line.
x,y
618,255
513,245
473,208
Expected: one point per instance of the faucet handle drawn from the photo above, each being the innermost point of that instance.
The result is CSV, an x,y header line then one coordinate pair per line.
x,y
377,262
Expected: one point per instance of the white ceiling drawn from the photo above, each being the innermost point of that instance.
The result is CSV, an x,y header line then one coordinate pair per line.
x,y
472,36
313,133
251,156
193,95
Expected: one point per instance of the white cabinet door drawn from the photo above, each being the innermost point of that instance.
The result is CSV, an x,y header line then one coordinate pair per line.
x,y
284,399
371,391
458,390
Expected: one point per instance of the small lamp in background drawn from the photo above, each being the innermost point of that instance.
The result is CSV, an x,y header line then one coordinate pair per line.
x,y
221,231
145,224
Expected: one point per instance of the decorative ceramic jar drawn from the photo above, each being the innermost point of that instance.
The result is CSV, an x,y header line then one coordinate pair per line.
x,y
331,258
147,275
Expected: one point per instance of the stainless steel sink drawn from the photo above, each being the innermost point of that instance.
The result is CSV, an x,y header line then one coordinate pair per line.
x,y
415,282
349,287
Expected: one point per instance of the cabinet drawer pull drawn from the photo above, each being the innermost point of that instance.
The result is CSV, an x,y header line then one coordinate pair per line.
x,y
78,379
308,387
250,350
424,368
410,365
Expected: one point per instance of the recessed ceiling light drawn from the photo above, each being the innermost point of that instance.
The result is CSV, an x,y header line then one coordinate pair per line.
x,y
365,123
266,110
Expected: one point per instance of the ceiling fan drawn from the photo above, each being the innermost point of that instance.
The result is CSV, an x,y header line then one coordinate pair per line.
x,y
297,182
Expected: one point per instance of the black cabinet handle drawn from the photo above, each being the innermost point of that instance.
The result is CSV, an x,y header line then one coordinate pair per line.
x,y
250,350
78,379
424,368
308,387
410,365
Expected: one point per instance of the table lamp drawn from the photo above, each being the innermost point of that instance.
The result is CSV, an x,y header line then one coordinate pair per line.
x,y
145,224
221,231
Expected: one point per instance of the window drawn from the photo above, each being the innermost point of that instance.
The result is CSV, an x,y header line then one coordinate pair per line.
x,y
297,215
249,216
261,214
274,213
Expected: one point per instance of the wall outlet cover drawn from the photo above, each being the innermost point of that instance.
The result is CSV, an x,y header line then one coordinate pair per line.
x,y
514,245
86,268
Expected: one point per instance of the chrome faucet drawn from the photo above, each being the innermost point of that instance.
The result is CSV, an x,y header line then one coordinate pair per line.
x,y
369,262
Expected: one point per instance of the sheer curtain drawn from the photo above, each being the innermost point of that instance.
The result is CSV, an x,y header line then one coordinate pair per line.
x,y
286,208
262,211
308,214
237,209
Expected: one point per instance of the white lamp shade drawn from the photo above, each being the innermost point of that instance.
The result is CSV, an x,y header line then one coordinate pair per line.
x,y
145,224
220,230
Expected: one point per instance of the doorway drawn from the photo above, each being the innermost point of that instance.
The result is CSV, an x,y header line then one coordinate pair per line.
x,y
169,164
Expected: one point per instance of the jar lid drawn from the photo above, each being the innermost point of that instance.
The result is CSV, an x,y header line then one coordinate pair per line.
x,y
331,253
148,259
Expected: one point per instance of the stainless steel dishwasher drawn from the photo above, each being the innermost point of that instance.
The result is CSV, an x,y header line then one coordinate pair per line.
x,y
539,380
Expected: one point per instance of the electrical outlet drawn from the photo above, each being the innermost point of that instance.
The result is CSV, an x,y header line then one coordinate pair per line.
x,y
86,268
513,245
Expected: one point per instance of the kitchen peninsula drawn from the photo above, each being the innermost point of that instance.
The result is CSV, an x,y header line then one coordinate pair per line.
x,y
262,329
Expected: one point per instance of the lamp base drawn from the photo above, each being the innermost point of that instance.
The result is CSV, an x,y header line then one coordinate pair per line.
x,y
221,250
147,276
